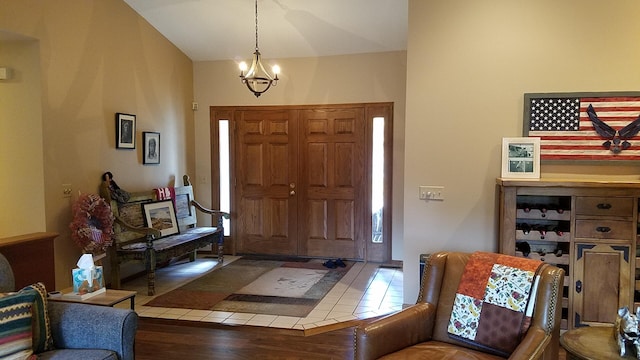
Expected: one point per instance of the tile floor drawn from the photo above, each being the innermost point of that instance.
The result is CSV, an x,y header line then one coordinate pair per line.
x,y
367,290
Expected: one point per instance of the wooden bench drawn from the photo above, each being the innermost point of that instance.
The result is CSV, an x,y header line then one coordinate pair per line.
x,y
133,240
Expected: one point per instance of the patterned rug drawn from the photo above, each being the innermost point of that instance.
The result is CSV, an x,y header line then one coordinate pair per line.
x,y
291,287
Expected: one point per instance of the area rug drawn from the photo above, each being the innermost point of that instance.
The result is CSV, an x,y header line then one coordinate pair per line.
x,y
291,287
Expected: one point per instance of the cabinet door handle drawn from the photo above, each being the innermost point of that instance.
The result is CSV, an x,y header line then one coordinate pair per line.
x,y
578,286
603,206
603,229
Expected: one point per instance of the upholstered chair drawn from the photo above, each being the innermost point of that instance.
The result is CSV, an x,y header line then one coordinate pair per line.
x,y
423,330
7,282
77,331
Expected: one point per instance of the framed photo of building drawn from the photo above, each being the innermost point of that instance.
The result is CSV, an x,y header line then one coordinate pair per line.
x,y
521,158
125,131
161,215
151,148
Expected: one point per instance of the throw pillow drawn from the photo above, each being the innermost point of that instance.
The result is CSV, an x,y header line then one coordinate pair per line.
x,y
15,324
42,339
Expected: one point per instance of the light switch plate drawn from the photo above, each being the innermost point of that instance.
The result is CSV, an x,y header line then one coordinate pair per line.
x,y
431,193
67,189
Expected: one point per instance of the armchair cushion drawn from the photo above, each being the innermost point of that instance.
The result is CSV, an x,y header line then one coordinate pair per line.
x,y
75,354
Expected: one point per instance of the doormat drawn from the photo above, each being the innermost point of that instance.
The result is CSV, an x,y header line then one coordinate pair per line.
x,y
288,287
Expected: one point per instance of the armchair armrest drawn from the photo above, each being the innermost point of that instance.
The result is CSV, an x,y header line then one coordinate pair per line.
x,y
391,333
533,345
82,326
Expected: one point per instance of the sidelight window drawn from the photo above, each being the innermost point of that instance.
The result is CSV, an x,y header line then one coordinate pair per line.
x,y
377,180
225,175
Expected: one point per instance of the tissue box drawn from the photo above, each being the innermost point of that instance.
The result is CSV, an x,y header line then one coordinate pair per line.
x,y
87,280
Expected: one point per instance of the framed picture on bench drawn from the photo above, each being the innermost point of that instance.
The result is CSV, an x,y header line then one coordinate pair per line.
x,y
161,215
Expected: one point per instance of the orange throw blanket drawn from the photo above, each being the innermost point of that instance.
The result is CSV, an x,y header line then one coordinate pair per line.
x,y
494,302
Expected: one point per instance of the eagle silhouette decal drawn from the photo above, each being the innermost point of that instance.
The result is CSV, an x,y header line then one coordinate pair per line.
x,y
616,139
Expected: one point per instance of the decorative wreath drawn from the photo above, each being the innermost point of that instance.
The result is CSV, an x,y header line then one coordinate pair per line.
x,y
92,225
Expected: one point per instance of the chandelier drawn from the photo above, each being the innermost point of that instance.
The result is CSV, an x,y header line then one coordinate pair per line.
x,y
257,79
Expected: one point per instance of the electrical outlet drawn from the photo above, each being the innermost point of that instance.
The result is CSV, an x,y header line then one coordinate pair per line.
x,y
67,189
431,193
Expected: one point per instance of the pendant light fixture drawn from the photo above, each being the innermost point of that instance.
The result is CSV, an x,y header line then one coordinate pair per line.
x,y
257,79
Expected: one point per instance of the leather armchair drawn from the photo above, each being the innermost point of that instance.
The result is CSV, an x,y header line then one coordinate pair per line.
x,y
420,331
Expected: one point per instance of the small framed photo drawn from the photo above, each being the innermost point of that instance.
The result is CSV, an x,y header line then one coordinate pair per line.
x,y
151,147
125,131
161,215
521,158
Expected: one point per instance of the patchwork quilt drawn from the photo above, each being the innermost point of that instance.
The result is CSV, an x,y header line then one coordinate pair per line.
x,y
494,302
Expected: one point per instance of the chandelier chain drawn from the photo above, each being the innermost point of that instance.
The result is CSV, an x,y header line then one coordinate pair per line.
x,y
256,25
257,79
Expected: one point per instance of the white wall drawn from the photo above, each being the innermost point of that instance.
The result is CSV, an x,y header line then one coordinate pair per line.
x,y
326,80
469,64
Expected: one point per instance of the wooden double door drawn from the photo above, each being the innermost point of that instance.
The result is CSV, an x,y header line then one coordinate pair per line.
x,y
300,183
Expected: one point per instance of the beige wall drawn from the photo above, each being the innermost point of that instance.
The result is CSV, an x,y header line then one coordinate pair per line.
x,y
96,58
21,155
376,77
470,64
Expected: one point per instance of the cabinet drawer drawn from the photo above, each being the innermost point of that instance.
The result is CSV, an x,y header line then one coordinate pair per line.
x,y
604,229
596,205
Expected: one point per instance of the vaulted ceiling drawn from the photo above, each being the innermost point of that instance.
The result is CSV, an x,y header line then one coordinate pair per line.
x,y
225,29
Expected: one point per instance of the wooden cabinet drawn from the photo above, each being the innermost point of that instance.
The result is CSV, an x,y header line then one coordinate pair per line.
x,y
589,228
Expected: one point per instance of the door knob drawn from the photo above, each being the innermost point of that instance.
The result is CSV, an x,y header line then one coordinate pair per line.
x,y
292,192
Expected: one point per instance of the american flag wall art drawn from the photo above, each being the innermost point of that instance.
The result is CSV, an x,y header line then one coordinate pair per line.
x,y
584,126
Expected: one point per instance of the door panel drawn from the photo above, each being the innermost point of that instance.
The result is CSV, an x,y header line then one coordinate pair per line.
x,y
332,200
267,213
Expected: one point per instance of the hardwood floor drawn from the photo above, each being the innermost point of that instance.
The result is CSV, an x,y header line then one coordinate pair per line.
x,y
160,339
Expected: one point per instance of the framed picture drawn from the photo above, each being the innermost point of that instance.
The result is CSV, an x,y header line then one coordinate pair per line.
x,y
596,127
151,147
125,131
521,158
161,215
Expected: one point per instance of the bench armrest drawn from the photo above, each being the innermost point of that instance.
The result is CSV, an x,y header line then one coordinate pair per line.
x,y
146,231
210,211
82,326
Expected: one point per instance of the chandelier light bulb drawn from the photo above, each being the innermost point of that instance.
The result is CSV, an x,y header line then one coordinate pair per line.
x,y
243,66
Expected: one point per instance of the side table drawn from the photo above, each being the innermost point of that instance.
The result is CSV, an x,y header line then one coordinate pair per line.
x,y
109,298
593,343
